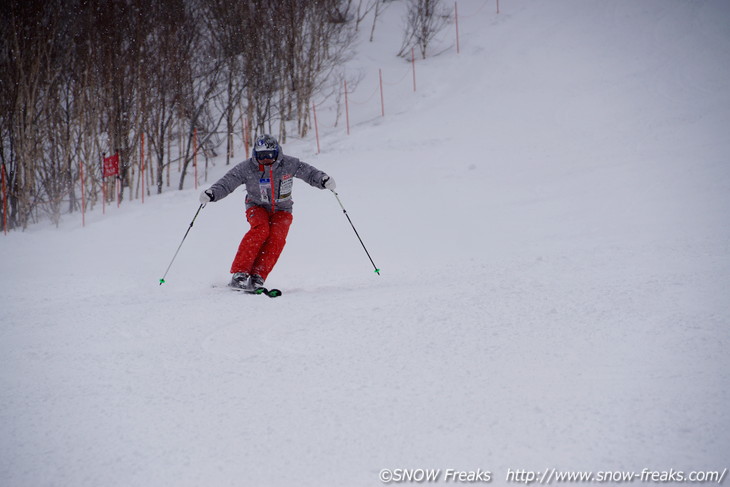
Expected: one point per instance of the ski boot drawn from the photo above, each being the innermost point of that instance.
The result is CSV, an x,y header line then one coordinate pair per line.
x,y
241,281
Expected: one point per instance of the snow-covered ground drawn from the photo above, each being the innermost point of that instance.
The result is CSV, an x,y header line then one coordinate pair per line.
x,y
550,213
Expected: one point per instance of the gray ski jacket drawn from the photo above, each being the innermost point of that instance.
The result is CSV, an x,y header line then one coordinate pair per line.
x,y
268,186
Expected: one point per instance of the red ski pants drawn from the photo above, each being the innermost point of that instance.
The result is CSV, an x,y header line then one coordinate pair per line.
x,y
261,247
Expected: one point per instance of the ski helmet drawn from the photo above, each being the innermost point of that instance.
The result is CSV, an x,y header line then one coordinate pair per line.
x,y
265,147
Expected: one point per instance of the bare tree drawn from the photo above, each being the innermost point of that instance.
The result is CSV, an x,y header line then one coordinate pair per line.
x,y
317,38
174,40
28,58
201,83
424,19
112,46
380,7
226,23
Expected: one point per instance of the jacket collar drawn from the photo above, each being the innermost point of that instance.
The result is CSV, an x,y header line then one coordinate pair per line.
x,y
264,167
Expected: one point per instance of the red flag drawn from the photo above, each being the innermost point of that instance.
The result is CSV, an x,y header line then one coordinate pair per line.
x,y
111,165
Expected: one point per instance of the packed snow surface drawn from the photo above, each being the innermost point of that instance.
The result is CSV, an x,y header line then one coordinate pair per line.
x,y
549,210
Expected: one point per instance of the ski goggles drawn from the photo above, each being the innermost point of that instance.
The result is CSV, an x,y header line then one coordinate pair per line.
x,y
266,154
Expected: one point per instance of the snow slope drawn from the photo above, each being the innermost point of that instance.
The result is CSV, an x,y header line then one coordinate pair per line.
x,y
549,210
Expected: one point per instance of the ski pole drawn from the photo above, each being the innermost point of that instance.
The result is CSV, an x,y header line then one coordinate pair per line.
x,y
162,280
377,271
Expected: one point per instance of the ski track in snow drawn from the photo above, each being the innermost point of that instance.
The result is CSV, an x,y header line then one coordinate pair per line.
x,y
549,211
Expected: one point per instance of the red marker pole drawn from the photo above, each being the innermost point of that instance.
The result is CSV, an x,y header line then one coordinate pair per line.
x,y
195,156
316,127
103,185
5,201
141,161
245,134
382,99
413,63
83,194
347,110
456,18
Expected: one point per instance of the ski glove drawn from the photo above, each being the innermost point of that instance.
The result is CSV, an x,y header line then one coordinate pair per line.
x,y
206,197
328,183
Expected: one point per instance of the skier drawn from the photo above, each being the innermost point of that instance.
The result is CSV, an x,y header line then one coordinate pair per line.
x,y
269,177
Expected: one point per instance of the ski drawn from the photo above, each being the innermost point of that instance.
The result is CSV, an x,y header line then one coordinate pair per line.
x,y
272,293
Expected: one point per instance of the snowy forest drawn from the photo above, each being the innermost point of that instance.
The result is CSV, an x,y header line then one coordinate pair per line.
x,y
82,79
